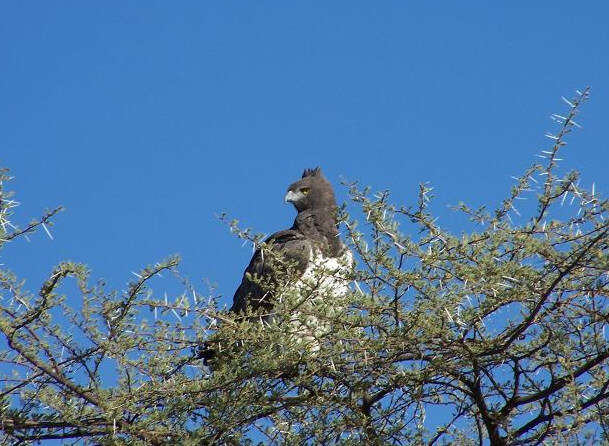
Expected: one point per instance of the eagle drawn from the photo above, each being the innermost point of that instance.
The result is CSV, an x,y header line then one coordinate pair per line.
x,y
312,251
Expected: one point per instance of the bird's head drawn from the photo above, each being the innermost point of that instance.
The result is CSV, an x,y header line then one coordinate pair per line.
x,y
311,191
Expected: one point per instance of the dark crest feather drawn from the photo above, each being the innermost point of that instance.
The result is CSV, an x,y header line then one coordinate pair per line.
x,y
311,172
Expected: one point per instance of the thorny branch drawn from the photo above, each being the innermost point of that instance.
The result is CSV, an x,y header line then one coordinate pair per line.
x,y
499,331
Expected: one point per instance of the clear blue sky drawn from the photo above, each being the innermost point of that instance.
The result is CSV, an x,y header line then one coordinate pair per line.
x,y
145,119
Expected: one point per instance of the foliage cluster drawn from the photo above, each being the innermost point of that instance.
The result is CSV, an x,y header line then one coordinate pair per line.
x,y
496,336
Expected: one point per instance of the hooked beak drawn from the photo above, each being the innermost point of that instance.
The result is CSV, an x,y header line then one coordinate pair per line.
x,y
292,197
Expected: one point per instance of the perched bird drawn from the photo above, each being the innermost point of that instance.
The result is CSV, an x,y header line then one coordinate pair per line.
x,y
309,258
312,240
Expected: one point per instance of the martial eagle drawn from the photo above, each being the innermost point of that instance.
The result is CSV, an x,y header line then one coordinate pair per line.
x,y
319,263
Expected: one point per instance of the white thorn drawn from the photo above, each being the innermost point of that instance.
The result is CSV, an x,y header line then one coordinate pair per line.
x,y
47,231
448,314
514,209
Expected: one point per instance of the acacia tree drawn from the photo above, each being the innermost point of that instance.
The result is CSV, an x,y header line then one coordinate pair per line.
x,y
497,333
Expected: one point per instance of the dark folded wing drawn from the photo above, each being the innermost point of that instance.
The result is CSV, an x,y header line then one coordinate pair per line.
x,y
292,246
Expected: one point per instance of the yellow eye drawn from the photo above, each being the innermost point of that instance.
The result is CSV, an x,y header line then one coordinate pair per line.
x,y
305,190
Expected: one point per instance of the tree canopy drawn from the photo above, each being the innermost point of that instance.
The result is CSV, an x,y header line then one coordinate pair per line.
x,y
495,335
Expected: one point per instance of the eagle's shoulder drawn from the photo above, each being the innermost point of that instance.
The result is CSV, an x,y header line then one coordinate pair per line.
x,y
289,245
